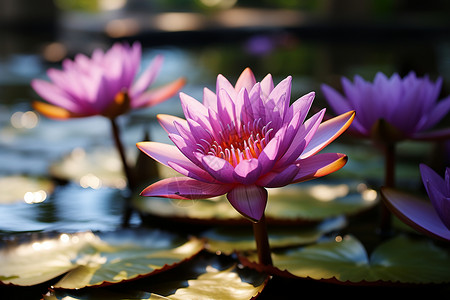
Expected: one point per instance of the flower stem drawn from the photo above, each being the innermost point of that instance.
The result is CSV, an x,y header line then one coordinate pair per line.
x,y
130,183
262,242
389,181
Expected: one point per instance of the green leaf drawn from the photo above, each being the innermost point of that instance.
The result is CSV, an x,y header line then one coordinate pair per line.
x,y
398,260
93,259
301,203
24,189
229,239
207,276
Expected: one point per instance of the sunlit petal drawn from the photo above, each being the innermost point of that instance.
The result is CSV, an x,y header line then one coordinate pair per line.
x,y
327,132
319,165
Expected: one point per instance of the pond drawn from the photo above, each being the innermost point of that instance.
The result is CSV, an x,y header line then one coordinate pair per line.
x,y
65,177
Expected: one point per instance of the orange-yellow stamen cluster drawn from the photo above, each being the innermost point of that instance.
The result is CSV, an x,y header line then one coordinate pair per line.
x,y
237,144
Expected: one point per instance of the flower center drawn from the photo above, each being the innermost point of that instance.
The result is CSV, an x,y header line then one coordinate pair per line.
x,y
236,144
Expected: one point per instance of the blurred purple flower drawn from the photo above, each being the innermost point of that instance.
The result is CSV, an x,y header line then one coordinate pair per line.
x,y
102,85
430,218
392,108
243,139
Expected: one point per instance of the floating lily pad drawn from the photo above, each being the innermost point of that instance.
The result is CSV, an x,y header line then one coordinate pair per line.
x,y
204,277
398,260
24,189
227,239
309,202
89,259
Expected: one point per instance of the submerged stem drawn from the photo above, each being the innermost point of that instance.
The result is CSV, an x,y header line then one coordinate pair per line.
x,y
130,183
262,242
389,181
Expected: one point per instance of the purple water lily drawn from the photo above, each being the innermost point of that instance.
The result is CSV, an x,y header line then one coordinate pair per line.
x,y
102,85
407,107
431,218
242,140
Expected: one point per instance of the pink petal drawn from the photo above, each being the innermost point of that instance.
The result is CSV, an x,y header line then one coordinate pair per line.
x,y
168,122
319,165
219,168
147,77
302,137
327,132
415,212
223,84
226,107
193,109
247,171
302,105
186,147
279,179
158,95
266,86
249,200
267,158
194,173
169,156
54,95
281,96
185,188
253,106
246,80
209,99
132,56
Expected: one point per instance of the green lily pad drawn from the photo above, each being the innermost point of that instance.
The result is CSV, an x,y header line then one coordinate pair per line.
x,y
89,259
228,239
24,189
204,277
345,260
308,202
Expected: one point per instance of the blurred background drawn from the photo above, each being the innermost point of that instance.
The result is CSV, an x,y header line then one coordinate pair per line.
x,y
314,41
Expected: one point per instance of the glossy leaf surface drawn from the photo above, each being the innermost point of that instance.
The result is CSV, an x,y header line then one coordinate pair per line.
x,y
398,260
207,276
89,259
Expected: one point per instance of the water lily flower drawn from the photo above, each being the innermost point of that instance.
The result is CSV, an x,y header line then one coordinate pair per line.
x,y
243,139
431,218
102,84
392,108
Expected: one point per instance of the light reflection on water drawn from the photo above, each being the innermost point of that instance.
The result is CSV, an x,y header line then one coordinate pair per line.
x,y
70,207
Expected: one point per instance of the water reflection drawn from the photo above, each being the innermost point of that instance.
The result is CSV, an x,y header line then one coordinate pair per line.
x,y
35,197
70,208
28,119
